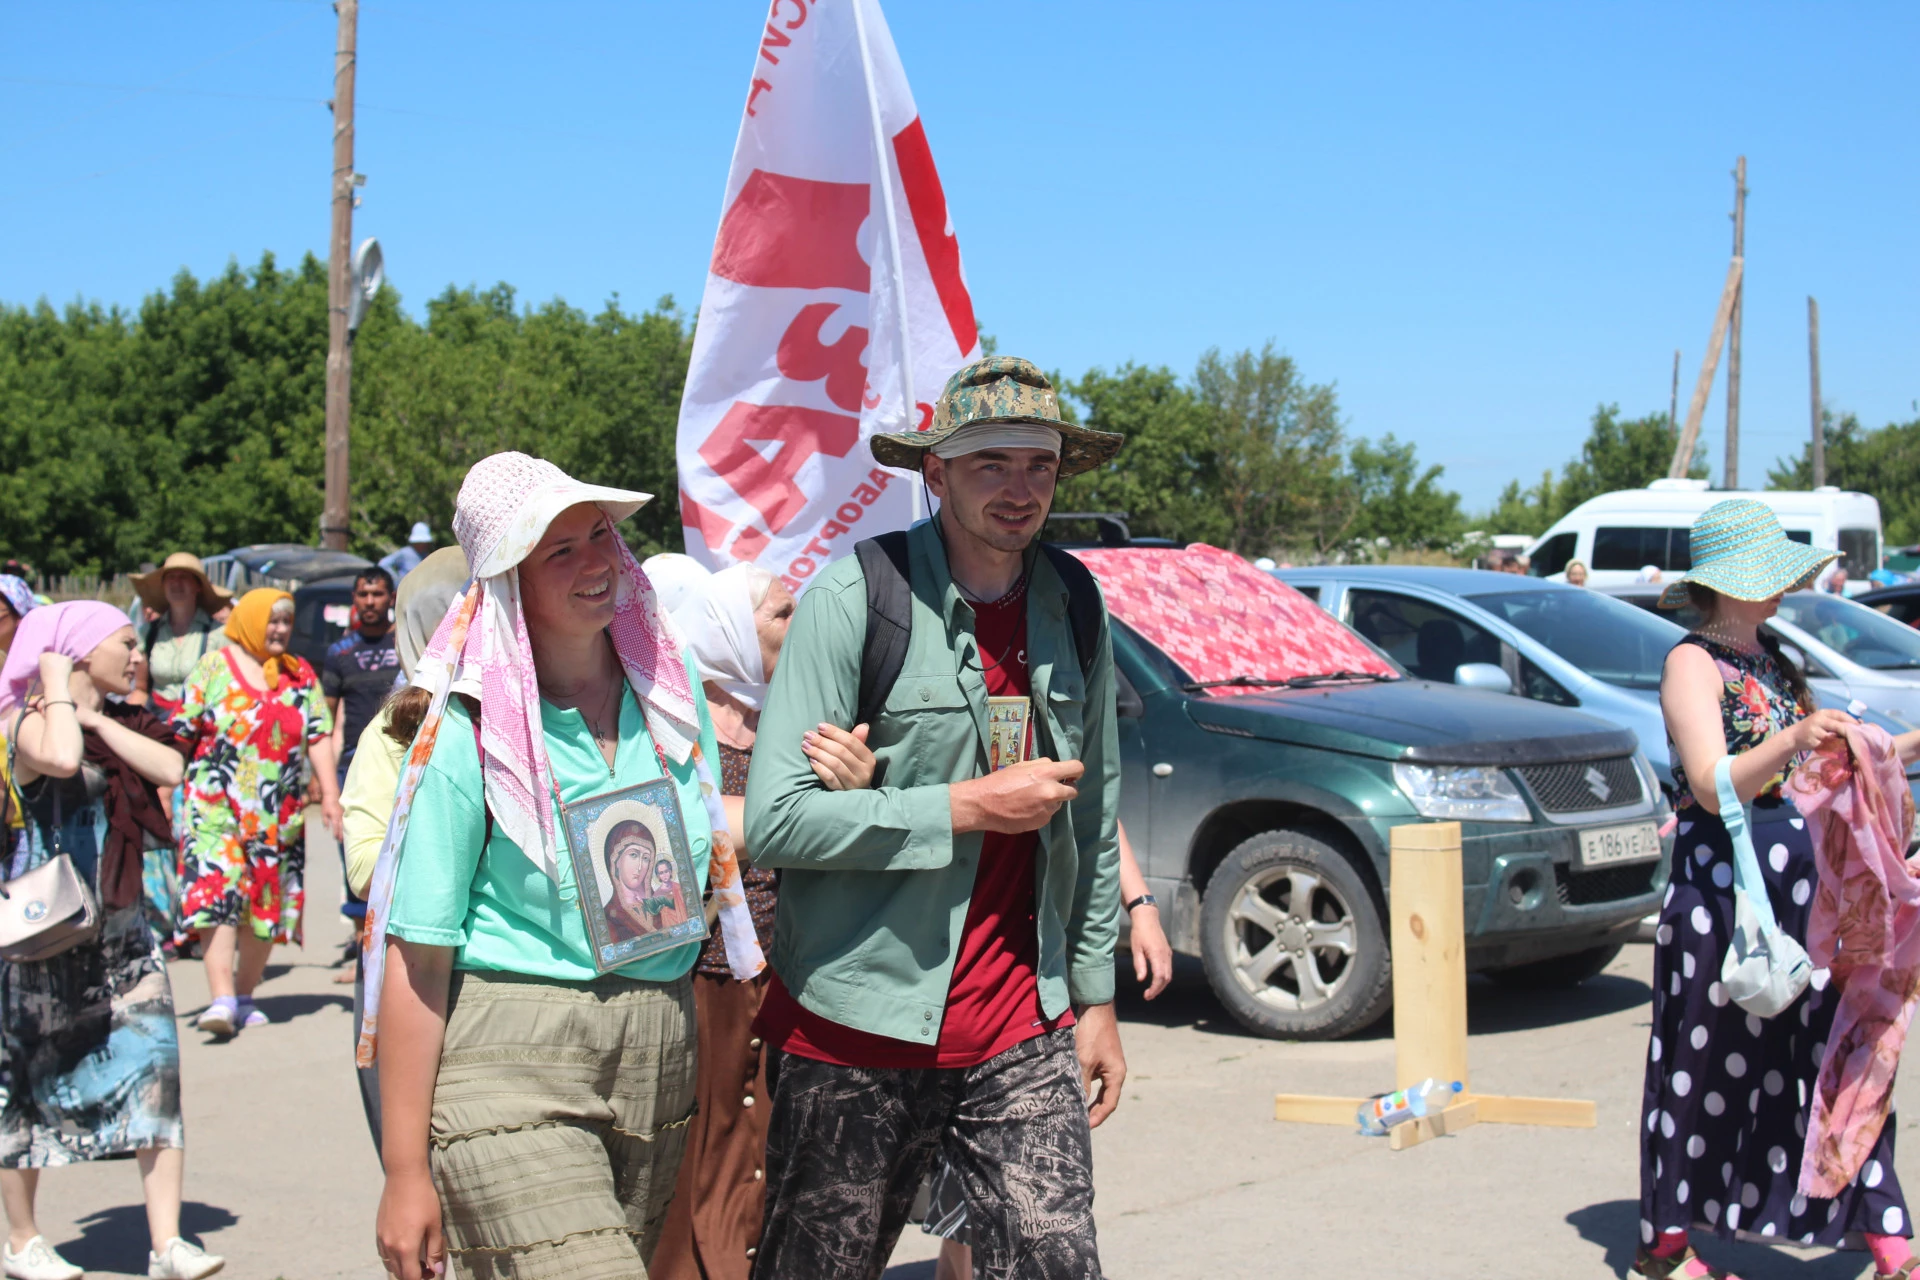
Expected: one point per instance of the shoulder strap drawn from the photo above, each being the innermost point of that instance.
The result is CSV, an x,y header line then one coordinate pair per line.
x,y
883,562
1746,861
1083,602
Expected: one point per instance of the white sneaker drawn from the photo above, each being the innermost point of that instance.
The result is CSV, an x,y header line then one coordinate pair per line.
x,y
181,1260
37,1261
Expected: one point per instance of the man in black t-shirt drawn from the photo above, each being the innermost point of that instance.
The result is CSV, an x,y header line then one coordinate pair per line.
x,y
361,666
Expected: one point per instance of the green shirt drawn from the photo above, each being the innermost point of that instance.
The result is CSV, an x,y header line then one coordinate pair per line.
x,y
875,884
497,907
171,659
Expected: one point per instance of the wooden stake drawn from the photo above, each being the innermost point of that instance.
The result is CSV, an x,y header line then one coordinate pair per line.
x,y
1690,434
1732,478
1813,378
334,514
1429,955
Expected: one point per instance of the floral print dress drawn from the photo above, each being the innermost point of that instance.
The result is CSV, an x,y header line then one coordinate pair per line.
x,y
242,852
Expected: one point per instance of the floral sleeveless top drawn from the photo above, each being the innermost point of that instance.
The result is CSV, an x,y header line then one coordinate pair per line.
x,y
1755,703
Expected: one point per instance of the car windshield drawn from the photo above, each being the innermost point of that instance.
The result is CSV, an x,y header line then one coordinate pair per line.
x,y
1604,637
1854,631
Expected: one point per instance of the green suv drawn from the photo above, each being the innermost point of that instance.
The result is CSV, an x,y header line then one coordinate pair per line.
x,y
1268,752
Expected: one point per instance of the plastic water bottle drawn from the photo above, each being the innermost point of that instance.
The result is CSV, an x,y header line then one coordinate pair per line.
x,y
1377,1115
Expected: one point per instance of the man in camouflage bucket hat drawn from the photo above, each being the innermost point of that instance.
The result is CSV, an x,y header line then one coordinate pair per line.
x,y
943,957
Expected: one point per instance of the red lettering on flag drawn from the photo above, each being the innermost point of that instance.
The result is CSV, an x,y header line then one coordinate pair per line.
x,y
804,358
928,202
710,524
796,233
754,90
768,483
775,40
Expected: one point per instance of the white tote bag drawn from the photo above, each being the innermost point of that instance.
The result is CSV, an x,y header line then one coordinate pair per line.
x,y
1765,969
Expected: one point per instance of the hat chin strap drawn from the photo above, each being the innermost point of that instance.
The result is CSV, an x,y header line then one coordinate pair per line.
x,y
979,437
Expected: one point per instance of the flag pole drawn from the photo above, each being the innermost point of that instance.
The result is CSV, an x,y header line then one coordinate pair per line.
x,y
893,236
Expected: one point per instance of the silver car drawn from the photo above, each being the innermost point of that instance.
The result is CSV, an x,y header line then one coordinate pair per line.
x,y
1500,631
1847,650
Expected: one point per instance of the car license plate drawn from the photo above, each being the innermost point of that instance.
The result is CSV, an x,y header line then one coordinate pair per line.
x,y
1606,846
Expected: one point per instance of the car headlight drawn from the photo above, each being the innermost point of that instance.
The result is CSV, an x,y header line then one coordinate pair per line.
x,y
1469,792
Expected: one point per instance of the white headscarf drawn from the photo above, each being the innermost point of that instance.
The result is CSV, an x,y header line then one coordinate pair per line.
x,y
676,578
717,619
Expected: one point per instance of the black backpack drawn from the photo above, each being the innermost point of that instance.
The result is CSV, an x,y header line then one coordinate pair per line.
x,y
890,614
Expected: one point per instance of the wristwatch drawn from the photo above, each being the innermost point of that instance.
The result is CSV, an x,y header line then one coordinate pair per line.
x,y
1144,900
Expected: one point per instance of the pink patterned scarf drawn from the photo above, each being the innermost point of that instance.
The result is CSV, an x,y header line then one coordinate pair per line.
x,y
1865,927
481,647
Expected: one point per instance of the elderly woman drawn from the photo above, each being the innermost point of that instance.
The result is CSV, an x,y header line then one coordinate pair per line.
x,y
533,1107
736,621
180,592
253,715
89,1058
1727,1093
16,601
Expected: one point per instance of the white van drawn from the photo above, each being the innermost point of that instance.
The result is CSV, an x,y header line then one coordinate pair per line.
x,y
1618,534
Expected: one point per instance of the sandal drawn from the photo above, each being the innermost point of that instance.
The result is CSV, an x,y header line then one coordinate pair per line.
x,y
1648,1267
1905,1272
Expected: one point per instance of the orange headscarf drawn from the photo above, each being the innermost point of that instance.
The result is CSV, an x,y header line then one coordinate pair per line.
x,y
247,627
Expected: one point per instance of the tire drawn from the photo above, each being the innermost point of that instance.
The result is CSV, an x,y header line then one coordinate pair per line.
x,y
1558,973
1258,950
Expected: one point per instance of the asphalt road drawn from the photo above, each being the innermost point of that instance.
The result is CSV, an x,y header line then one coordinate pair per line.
x,y
1194,1177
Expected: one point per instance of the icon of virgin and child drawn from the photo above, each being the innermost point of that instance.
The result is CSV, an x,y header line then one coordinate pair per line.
x,y
647,894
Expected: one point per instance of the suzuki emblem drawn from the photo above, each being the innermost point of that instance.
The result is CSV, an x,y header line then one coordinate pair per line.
x,y
1597,783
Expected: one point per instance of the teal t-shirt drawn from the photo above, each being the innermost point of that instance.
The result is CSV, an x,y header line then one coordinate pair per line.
x,y
495,906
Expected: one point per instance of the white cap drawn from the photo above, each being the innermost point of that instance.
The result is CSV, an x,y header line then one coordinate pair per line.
x,y
420,532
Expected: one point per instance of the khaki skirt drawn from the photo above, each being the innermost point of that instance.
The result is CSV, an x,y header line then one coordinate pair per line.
x,y
559,1117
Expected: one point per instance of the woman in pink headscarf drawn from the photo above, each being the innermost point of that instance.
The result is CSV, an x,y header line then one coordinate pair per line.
x,y
89,1056
534,1109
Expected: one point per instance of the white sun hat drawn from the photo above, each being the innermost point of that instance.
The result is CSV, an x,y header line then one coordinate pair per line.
x,y
421,533
508,500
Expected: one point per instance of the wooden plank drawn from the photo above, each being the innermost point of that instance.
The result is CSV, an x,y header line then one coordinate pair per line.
x,y
1459,1116
1561,1113
1429,955
1307,1108
1690,434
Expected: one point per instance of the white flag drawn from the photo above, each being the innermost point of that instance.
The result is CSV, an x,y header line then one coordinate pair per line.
x,y
835,305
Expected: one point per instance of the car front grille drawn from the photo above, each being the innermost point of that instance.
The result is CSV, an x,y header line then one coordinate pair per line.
x,y
1608,884
1584,784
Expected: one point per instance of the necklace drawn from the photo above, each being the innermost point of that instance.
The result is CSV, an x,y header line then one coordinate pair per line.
x,y
988,662
601,738
1720,636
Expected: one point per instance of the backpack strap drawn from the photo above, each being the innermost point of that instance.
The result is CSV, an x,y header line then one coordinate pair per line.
x,y
1084,607
883,562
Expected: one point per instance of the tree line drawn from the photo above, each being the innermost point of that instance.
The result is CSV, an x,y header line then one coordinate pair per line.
x,y
196,421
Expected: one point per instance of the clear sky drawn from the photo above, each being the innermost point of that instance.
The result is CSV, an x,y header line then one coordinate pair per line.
x,y
1478,220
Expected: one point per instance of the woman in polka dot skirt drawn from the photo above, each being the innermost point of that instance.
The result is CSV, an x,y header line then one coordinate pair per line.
x,y
1726,1100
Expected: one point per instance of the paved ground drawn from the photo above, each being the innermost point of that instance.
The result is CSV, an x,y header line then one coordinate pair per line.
x,y
1195,1178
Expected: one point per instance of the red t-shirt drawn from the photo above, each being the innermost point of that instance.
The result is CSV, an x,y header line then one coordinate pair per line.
x,y
993,1002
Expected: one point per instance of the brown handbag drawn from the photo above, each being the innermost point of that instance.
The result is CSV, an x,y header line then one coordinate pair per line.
x,y
49,909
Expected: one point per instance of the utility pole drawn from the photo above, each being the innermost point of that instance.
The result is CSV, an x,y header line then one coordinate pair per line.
x,y
1732,478
334,517
1813,377
1673,400
1697,408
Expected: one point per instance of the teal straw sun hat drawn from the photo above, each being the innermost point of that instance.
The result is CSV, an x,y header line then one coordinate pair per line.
x,y
1740,550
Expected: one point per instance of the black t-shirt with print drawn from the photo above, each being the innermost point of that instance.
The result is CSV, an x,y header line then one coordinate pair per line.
x,y
361,673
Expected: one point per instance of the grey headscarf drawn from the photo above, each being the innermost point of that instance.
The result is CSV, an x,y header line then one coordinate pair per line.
x,y
423,600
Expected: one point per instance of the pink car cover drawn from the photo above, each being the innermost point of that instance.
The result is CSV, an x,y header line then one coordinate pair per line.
x,y
1865,927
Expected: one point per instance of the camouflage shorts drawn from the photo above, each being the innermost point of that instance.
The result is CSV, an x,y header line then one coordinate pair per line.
x,y
847,1149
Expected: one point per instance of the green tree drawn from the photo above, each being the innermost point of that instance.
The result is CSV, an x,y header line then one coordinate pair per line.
x,y
1885,463
1618,453
1279,452
1396,499
1163,478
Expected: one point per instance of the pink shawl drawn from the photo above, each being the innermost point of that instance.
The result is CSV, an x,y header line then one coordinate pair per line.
x,y
1865,927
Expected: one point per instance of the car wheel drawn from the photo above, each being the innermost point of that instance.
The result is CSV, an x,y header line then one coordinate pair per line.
x,y
1292,940
1560,971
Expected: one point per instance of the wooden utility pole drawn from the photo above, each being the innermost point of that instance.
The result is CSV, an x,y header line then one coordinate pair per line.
x,y
1690,434
1673,398
1732,478
334,518
1813,378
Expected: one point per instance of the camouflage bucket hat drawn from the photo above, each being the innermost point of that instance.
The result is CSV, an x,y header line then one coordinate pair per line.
x,y
998,389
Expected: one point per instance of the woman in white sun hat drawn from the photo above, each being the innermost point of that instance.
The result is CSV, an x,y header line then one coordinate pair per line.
x,y
533,1108
1726,1096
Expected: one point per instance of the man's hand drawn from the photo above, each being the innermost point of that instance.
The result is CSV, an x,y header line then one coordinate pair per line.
x,y
1096,1039
1021,797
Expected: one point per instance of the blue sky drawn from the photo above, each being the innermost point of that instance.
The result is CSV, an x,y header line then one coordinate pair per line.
x,y
1478,220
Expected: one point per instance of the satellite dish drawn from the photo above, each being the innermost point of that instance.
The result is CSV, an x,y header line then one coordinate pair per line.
x,y
369,272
